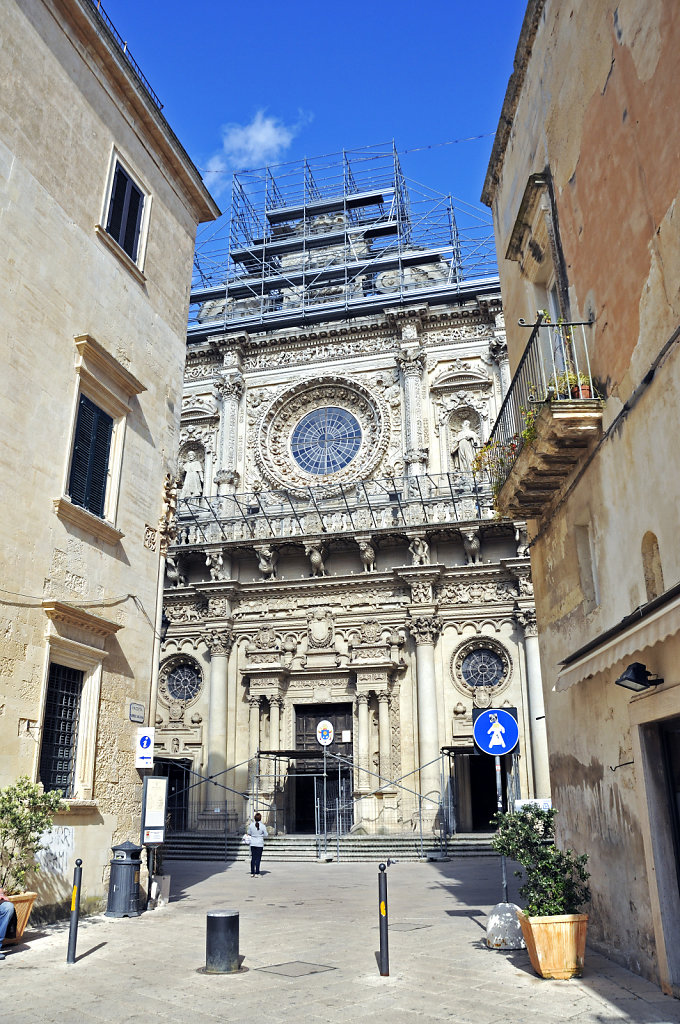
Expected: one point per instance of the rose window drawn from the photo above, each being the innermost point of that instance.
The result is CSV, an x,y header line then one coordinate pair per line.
x,y
325,440
183,683
482,667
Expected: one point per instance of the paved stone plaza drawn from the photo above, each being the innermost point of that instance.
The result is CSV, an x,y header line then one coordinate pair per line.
x,y
321,920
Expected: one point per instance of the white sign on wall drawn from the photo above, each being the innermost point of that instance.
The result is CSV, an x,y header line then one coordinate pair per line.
x,y
324,733
144,748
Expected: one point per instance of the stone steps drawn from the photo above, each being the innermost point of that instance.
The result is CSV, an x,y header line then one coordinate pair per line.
x,y
291,848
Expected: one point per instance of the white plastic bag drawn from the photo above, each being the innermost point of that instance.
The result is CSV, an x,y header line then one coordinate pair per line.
x,y
246,839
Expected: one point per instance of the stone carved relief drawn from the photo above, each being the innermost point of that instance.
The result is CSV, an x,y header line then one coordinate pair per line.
x,y
324,351
187,611
219,641
218,607
425,628
320,628
199,406
526,619
475,593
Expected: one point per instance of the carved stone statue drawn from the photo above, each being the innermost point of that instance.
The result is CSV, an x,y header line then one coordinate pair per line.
x,y
420,551
193,477
215,564
173,572
315,553
367,552
267,558
521,540
472,546
464,447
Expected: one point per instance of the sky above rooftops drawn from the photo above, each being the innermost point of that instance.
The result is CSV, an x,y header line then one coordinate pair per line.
x,y
245,85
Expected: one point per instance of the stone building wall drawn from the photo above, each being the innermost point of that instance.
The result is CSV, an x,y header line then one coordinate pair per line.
x,y
79,315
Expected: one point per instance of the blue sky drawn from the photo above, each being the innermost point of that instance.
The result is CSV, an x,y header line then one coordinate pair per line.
x,y
250,84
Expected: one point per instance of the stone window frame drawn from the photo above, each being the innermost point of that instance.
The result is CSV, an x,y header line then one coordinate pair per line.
x,y
134,266
174,661
107,383
87,658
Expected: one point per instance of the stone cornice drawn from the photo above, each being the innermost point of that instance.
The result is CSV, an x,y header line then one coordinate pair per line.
x,y
58,611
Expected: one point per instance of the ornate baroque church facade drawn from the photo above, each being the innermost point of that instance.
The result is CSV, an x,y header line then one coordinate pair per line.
x,y
336,557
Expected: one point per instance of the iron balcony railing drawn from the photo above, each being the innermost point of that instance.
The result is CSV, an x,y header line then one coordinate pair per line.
x,y
555,367
365,506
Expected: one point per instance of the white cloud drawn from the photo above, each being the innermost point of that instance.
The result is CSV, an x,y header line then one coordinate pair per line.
x,y
263,141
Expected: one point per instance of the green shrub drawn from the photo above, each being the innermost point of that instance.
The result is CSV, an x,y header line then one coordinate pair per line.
x,y
555,880
25,814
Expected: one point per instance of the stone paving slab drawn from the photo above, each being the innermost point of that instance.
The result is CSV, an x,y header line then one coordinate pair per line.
x,y
147,969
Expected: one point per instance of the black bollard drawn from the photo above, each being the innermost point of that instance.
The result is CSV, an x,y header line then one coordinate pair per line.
x,y
75,910
221,942
382,906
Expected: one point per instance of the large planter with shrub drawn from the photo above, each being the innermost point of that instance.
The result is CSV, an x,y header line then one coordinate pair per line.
x,y
554,890
556,944
26,813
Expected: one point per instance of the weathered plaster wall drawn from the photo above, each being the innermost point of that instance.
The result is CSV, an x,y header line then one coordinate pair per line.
x,y
598,108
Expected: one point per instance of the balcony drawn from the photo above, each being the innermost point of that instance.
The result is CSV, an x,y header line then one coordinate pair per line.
x,y
549,420
435,503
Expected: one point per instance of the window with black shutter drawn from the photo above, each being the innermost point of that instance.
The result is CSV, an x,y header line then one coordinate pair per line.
x,y
60,728
90,459
125,212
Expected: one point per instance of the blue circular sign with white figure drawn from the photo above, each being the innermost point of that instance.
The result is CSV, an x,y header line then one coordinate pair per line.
x,y
144,742
496,731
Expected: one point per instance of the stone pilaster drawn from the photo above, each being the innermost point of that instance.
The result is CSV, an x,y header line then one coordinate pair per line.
x,y
526,620
219,643
412,365
228,388
425,629
363,783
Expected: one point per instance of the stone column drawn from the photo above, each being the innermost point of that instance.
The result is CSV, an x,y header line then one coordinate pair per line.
x,y
384,736
412,365
219,643
363,783
526,619
425,629
498,350
254,726
275,704
228,388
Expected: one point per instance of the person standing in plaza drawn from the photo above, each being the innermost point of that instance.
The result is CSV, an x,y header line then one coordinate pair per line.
x,y
6,914
258,834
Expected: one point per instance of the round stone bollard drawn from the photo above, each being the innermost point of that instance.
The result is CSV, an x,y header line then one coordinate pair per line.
x,y
503,930
221,942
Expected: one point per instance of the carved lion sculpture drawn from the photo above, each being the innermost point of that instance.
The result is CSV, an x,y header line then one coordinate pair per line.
x,y
472,546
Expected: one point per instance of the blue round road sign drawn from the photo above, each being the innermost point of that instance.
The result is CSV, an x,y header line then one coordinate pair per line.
x,y
496,731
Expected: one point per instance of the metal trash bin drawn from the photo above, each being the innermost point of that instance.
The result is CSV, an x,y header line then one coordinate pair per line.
x,y
123,898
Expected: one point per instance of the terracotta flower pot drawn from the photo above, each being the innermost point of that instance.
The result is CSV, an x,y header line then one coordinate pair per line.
x,y
23,904
556,944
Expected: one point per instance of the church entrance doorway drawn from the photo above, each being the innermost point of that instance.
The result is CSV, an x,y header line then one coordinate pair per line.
x,y
178,775
306,782
483,798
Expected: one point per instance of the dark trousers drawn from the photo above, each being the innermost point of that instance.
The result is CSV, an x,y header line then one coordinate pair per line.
x,y
255,858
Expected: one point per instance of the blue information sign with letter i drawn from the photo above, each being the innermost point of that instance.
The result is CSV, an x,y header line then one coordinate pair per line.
x,y
496,731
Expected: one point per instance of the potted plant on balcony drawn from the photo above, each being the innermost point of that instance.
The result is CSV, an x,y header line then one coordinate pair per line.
x,y
26,812
554,890
569,384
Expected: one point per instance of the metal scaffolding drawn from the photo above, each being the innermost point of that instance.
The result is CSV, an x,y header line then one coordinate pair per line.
x,y
320,239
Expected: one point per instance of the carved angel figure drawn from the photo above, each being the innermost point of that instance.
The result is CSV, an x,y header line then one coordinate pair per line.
x,y
215,564
420,551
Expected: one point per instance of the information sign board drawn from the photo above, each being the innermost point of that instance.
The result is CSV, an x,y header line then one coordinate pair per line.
x,y
144,748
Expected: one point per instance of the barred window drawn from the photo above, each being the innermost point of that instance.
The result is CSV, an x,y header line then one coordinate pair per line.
x,y
60,728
